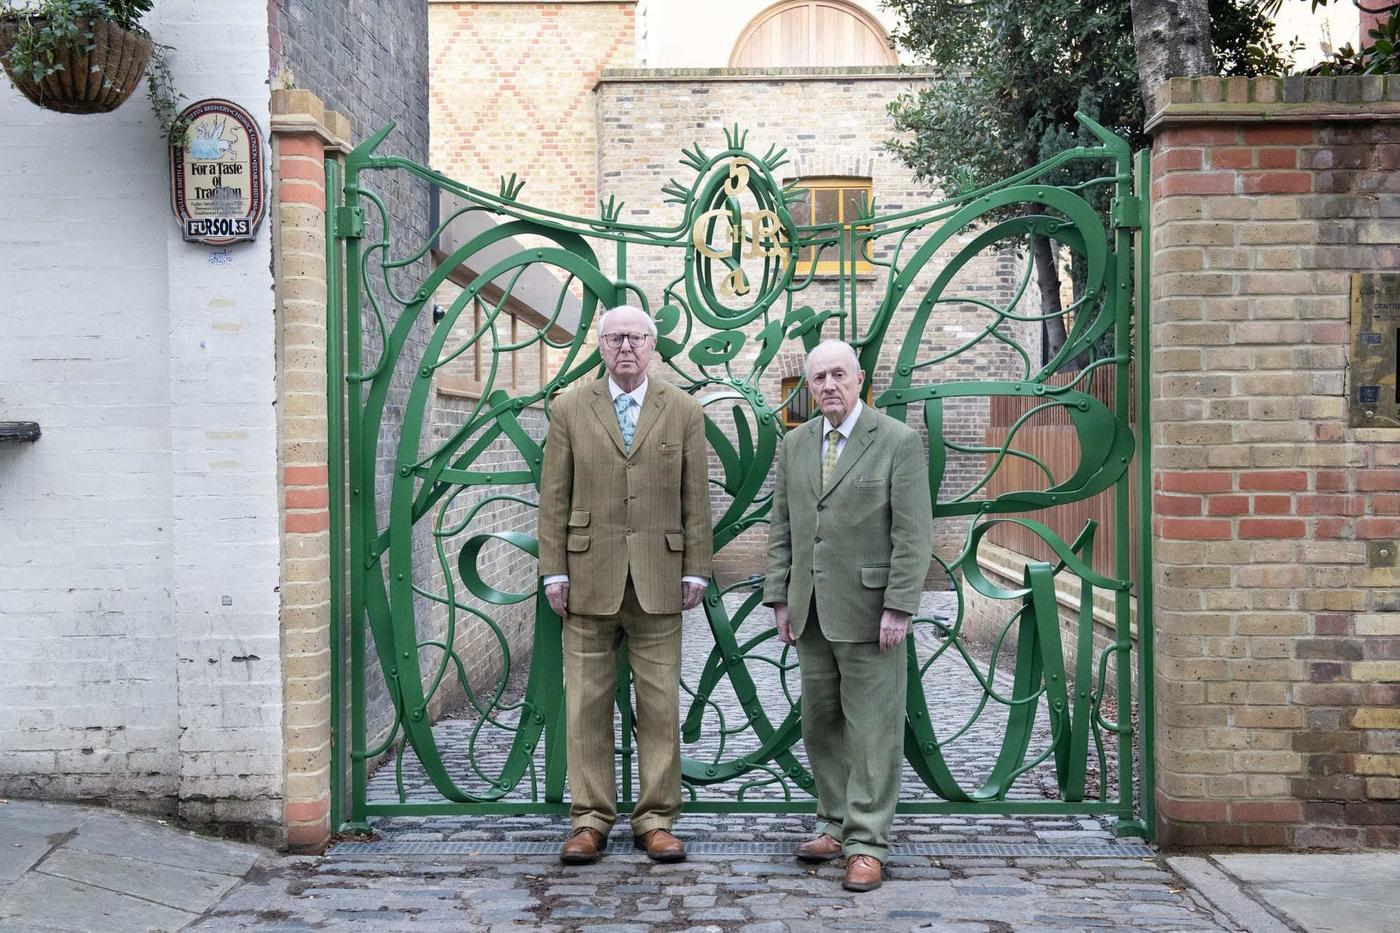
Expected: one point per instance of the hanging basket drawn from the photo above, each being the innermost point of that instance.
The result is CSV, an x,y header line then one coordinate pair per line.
x,y
93,79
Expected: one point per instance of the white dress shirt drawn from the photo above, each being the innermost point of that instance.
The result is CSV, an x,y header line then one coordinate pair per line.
x,y
638,395
845,427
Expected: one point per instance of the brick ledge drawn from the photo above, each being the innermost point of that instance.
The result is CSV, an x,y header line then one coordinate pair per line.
x,y
1293,99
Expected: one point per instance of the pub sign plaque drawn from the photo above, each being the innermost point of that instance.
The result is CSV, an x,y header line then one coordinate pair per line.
x,y
216,176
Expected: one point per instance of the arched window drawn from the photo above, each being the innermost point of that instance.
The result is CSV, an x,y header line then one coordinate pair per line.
x,y
807,33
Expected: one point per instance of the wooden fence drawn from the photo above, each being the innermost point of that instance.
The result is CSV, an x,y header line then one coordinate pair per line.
x,y
1050,438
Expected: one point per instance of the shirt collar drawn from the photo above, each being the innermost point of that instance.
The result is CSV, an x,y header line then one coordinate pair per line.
x,y
638,394
849,425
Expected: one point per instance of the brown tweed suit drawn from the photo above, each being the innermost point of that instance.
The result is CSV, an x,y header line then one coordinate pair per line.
x,y
625,525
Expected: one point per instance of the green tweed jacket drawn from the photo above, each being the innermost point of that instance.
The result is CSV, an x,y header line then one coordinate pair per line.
x,y
863,545
607,512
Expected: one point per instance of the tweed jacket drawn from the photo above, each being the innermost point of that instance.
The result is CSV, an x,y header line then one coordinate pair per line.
x,y
607,512
863,545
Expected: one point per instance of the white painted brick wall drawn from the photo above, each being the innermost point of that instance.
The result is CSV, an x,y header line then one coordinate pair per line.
x,y
152,494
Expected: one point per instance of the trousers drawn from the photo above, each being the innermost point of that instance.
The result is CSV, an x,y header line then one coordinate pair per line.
x,y
591,645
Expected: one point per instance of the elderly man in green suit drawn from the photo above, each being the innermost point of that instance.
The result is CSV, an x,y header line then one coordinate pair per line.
x,y
625,545
849,547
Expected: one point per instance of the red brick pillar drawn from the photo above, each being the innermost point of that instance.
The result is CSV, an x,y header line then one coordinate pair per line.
x,y
1278,665
304,135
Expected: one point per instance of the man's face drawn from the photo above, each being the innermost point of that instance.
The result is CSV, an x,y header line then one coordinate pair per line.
x,y
835,382
627,361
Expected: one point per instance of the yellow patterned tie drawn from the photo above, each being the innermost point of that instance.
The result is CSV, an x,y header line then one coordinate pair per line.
x,y
829,458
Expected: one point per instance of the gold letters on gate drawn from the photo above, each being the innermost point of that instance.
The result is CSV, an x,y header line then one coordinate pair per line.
x,y
766,235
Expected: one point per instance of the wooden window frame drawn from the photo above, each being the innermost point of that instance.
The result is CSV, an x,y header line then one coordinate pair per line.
x,y
842,183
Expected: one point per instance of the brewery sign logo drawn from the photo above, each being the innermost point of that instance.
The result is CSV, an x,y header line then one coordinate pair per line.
x,y
216,176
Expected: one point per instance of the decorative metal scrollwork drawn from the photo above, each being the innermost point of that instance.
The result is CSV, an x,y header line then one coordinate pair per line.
x,y
724,320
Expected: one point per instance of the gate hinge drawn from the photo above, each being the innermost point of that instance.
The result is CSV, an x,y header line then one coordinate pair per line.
x,y
1126,212
349,222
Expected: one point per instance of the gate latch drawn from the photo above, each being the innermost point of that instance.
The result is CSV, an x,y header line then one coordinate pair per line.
x,y
1126,212
349,222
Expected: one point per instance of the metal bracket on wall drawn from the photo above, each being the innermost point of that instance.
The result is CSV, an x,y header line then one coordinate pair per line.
x,y
19,431
349,222
1126,212
1380,554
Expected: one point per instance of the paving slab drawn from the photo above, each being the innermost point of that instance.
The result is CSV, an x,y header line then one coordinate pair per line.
x,y
181,888
162,845
1226,894
1324,893
19,851
46,902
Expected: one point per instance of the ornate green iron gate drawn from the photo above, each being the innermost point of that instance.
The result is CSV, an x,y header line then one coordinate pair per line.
x,y
734,306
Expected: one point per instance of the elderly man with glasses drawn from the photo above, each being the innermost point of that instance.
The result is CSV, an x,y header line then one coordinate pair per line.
x,y
625,546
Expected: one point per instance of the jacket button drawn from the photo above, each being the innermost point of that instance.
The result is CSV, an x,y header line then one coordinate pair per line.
x,y
629,531
816,540
821,506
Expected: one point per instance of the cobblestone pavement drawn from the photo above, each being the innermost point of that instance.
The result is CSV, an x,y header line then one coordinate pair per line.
x,y
625,892
474,873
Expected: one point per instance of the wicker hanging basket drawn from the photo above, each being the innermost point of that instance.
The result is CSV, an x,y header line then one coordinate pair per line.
x,y
93,80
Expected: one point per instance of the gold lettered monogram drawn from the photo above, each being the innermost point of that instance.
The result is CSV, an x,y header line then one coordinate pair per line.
x,y
765,235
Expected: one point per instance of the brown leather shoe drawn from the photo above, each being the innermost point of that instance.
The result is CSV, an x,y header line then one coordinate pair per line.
x,y
661,846
583,847
824,848
863,873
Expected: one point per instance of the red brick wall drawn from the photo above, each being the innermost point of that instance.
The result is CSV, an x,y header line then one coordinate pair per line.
x,y
1279,661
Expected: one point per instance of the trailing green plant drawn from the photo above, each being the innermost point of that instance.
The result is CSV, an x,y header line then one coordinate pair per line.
x,y
165,99
48,32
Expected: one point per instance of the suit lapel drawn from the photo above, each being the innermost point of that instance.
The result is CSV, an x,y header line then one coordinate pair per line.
x,y
809,453
607,413
652,408
856,445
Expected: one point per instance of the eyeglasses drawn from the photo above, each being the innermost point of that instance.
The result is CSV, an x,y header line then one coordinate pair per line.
x,y
636,340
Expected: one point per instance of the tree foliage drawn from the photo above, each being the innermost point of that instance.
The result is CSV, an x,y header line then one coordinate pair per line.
x,y
1015,72
1379,53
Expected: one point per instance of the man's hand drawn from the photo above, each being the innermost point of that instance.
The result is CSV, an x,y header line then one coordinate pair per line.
x,y
780,616
894,625
558,596
691,594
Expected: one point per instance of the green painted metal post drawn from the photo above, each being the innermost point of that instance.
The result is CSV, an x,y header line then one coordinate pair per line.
x,y
1142,323
335,482
361,478
1122,547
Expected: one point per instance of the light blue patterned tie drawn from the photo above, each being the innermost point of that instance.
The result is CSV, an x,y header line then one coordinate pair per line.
x,y
626,419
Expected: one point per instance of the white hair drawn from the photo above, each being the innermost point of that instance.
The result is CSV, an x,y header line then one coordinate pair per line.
x,y
602,318
832,345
